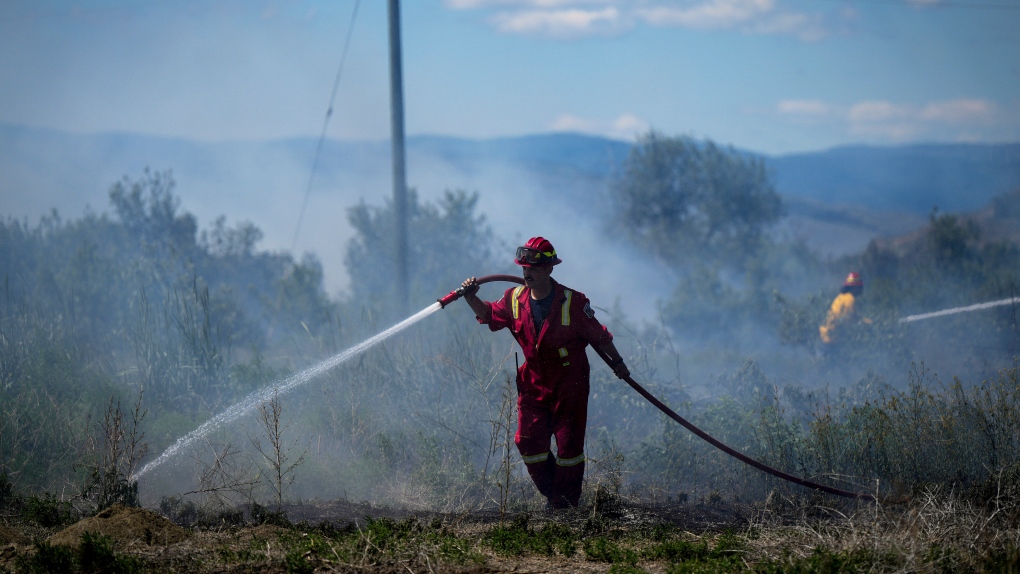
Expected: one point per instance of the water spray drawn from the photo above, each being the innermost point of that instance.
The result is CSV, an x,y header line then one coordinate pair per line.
x,y
256,398
955,310
458,293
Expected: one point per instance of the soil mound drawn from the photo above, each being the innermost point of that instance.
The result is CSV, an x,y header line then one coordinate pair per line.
x,y
127,526
8,536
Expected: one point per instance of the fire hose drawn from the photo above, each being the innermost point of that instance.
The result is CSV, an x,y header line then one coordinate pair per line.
x,y
459,292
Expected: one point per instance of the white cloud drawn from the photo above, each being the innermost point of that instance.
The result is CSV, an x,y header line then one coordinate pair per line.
x,y
629,125
873,111
558,23
569,123
804,108
579,18
961,119
706,15
809,28
624,127
960,111
475,4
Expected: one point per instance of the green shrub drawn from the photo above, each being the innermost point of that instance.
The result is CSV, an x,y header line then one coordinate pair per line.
x,y
47,510
263,515
602,549
822,560
299,561
1006,560
178,511
48,558
676,551
8,497
221,517
519,538
94,555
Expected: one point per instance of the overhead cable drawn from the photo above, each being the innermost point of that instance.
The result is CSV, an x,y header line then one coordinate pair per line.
x,y
325,124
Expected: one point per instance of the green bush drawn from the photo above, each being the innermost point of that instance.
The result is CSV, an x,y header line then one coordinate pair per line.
x,y
48,558
94,555
47,510
602,549
8,497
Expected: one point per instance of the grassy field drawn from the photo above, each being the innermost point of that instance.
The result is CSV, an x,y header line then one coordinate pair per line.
x,y
931,532
118,335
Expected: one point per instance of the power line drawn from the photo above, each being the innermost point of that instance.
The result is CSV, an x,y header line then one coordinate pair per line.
x,y
325,124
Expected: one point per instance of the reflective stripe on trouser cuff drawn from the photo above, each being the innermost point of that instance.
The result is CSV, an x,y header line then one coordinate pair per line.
x,y
535,458
570,461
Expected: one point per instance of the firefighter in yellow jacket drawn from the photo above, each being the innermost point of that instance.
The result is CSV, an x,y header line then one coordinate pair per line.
x,y
841,312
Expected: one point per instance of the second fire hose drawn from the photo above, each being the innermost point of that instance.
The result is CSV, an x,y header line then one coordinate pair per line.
x,y
457,293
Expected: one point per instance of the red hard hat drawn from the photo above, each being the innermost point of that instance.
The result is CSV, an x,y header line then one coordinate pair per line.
x,y
853,280
537,251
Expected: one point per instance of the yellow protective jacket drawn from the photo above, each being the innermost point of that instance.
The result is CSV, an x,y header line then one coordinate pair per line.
x,y
841,310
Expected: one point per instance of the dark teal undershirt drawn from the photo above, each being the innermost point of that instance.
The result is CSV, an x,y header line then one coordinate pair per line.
x,y
540,309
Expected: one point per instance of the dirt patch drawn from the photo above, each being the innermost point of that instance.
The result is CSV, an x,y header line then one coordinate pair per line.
x,y
262,532
697,517
341,512
127,526
8,536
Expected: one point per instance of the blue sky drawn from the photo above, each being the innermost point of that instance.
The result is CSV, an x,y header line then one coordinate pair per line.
x,y
774,76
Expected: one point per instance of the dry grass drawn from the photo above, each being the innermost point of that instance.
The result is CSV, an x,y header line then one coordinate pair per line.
x,y
934,532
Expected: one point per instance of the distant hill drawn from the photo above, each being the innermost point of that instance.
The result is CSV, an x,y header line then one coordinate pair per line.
x,y
997,222
837,200
914,178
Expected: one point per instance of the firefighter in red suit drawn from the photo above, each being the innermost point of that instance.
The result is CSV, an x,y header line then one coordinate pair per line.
x,y
552,324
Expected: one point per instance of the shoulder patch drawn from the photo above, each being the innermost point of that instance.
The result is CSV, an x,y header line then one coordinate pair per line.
x,y
588,310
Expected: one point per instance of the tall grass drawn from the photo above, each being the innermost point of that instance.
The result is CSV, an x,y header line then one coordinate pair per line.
x,y
100,307
932,433
957,435
422,421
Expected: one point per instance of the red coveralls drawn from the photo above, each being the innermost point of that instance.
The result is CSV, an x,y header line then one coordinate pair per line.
x,y
552,385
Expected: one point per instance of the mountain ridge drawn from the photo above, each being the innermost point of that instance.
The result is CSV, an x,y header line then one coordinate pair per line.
x,y
837,199
912,177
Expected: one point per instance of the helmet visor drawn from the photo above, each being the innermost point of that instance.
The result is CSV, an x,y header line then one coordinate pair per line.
x,y
526,255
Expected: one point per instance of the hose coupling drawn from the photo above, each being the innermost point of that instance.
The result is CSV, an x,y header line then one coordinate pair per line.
x,y
451,297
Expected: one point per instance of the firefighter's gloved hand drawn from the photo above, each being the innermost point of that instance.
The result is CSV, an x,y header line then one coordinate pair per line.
x,y
621,370
469,286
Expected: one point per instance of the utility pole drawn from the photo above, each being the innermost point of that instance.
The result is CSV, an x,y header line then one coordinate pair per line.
x,y
399,168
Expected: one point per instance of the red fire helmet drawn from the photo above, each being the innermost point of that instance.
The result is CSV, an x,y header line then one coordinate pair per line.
x,y
538,251
853,280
